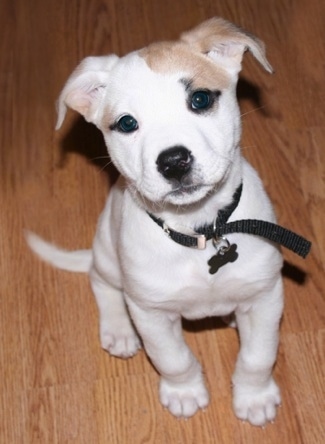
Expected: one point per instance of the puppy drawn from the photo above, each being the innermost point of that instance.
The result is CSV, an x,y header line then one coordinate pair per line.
x,y
171,123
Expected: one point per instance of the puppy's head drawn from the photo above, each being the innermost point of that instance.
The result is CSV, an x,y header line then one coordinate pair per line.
x,y
168,112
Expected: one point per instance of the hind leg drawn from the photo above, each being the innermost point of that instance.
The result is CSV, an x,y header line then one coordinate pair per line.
x,y
117,334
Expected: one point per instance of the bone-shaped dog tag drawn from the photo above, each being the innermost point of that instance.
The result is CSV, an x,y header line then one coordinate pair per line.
x,y
225,254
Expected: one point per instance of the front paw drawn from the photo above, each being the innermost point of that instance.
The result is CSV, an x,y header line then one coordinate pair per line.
x,y
257,405
119,339
183,400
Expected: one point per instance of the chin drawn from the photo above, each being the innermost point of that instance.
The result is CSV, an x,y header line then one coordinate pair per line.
x,y
188,195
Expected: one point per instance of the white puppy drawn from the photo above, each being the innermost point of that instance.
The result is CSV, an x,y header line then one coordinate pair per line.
x,y
171,122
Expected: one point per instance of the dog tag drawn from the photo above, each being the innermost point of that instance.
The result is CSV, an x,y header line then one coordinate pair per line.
x,y
226,253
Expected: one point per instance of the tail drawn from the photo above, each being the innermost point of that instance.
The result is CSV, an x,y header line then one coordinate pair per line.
x,y
78,261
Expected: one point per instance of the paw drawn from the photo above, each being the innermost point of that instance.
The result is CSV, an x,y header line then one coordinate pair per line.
x,y
183,400
119,339
256,405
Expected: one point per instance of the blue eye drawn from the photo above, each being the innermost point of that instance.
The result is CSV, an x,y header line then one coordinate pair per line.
x,y
127,124
201,100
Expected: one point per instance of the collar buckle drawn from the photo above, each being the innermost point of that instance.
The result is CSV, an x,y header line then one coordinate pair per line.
x,y
197,241
201,241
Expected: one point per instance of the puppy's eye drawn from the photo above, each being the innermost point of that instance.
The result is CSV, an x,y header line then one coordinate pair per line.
x,y
127,124
201,100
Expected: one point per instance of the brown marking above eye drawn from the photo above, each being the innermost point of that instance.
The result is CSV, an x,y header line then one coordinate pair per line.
x,y
171,57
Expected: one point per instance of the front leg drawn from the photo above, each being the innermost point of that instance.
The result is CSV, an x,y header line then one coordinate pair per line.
x,y
117,335
255,393
182,388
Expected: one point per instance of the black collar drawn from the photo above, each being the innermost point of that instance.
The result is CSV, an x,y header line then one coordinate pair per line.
x,y
206,232
221,227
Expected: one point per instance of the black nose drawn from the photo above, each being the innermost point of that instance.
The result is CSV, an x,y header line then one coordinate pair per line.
x,y
175,162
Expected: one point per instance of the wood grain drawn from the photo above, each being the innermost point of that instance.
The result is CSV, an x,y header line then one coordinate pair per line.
x,y
58,386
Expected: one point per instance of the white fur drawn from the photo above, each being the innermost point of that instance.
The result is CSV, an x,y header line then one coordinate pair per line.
x,y
135,268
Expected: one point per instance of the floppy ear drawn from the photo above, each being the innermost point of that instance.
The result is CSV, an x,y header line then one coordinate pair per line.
x,y
85,87
226,44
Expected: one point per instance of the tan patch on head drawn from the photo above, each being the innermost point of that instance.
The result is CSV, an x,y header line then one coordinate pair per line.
x,y
172,57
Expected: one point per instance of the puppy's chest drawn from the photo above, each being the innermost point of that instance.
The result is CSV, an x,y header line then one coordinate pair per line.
x,y
182,283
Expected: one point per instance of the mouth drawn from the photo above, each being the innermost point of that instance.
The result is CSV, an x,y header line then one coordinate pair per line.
x,y
187,194
183,190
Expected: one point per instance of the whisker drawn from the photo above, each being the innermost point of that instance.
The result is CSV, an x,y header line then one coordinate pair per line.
x,y
252,111
99,157
106,165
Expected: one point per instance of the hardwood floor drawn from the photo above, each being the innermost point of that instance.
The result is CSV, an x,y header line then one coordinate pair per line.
x,y
58,386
